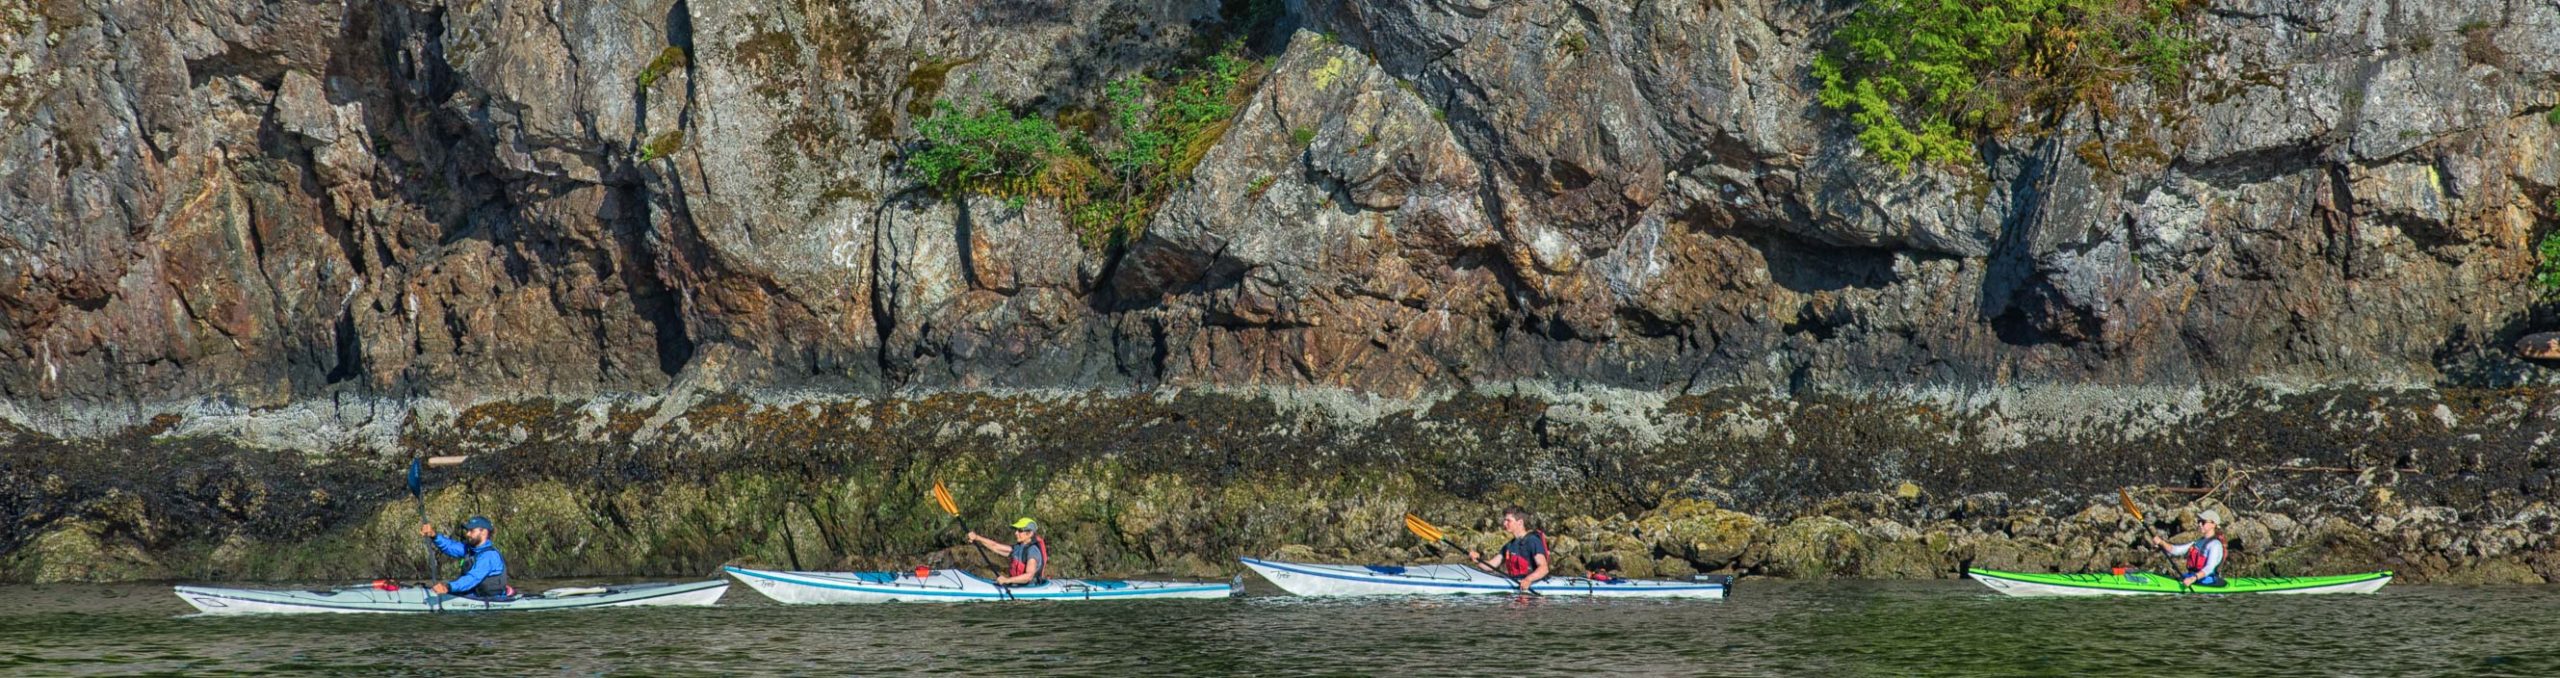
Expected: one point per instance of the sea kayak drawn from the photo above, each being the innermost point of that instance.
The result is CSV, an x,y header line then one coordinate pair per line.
x,y
412,599
948,586
1387,580
2146,583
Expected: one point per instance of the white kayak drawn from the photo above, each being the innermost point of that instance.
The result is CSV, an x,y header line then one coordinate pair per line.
x,y
945,586
413,599
1307,579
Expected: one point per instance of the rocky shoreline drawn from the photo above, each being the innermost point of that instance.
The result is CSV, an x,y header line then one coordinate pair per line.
x,y
2441,485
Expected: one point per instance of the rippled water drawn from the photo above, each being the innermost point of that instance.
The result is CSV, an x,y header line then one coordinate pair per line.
x,y
1769,628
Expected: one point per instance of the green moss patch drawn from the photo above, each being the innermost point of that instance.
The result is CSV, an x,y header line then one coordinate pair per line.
x,y
663,145
668,61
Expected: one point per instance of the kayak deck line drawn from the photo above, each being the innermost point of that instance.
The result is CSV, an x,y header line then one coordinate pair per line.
x,y
818,588
365,599
2148,583
1309,579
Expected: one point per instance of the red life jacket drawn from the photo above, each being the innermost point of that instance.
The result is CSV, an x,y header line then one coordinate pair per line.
x,y
1018,568
2196,557
1516,566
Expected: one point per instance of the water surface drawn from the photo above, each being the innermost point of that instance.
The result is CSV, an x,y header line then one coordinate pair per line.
x,y
1769,628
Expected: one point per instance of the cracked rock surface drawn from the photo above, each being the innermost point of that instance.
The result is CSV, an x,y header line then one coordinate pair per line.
x,y
510,198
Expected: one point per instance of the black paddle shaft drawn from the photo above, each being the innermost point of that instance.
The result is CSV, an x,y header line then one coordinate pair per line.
x,y
417,491
983,557
435,566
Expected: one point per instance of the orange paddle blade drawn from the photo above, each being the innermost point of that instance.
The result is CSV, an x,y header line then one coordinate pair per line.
x,y
2127,500
943,497
1421,528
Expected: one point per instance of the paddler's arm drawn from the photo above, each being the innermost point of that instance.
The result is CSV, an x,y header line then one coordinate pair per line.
x,y
2173,549
1001,548
1025,577
1477,559
1536,574
469,580
443,544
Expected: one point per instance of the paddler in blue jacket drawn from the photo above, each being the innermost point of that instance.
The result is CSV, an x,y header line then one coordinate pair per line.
x,y
2204,555
486,576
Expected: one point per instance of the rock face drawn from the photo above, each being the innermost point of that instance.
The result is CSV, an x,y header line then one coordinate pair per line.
x,y
211,209
416,199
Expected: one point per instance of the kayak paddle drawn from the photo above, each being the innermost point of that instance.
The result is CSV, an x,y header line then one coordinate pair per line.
x,y
2126,499
417,491
943,497
1431,533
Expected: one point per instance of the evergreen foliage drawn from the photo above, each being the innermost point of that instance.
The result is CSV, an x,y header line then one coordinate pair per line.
x,y
1110,182
988,151
1923,79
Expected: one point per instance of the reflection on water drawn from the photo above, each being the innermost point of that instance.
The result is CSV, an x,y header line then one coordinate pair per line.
x,y
1769,628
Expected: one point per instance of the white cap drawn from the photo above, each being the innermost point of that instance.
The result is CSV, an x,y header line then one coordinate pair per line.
x,y
2209,516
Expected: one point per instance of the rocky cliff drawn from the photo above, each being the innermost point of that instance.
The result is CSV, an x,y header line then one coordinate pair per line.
x,y
273,235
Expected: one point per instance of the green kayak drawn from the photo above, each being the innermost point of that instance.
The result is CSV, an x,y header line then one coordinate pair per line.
x,y
2147,583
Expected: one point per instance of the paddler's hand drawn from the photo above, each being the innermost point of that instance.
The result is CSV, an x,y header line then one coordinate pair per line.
x,y
974,538
1474,557
427,530
2189,580
1524,587
439,589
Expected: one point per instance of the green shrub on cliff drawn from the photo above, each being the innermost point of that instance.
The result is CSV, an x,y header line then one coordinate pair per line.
x,y
2546,269
1923,79
1108,182
1164,129
990,151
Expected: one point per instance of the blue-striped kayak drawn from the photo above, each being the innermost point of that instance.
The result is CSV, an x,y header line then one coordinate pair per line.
x,y
1386,580
952,586
222,601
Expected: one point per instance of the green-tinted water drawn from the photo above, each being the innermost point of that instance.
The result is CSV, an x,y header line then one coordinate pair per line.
x,y
1770,628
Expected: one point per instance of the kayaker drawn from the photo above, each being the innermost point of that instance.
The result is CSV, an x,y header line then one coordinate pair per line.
x,y
1028,554
2204,555
1524,558
486,576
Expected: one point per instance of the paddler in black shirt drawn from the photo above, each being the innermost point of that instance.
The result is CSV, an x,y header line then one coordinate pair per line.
x,y
1525,557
